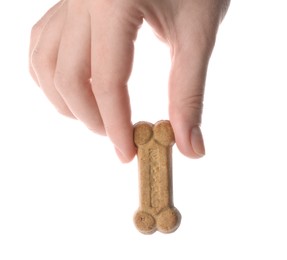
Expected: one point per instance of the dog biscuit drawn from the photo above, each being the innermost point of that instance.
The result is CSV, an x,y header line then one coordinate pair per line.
x,y
156,210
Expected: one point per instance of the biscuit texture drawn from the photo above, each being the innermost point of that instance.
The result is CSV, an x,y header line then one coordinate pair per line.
x,y
156,210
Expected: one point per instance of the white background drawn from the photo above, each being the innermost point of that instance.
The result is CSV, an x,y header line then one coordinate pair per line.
x,y
65,195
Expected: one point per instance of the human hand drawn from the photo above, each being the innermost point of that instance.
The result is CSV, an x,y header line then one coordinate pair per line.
x,y
81,55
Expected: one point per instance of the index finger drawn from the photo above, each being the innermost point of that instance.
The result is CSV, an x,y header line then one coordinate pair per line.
x,y
112,55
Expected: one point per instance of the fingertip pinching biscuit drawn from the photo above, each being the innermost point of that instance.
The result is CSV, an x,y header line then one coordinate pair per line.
x,y
156,210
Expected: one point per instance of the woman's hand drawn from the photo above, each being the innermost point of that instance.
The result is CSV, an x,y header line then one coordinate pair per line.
x,y
81,55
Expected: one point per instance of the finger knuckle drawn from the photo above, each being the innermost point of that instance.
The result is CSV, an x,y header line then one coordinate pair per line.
x,y
194,102
189,106
190,102
36,30
62,82
35,58
40,59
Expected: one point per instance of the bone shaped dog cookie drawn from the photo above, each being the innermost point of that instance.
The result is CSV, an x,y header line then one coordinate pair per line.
x,y
156,210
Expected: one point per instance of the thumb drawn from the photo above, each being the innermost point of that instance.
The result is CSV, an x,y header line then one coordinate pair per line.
x,y
186,93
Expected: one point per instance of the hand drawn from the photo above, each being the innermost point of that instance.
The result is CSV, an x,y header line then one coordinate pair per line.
x,y
81,55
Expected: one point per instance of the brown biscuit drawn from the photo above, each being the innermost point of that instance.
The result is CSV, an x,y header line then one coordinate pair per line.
x,y
156,210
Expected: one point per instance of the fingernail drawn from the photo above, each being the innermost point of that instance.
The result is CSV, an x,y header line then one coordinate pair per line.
x,y
197,141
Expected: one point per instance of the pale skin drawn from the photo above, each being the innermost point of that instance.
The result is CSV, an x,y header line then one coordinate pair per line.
x,y
81,55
